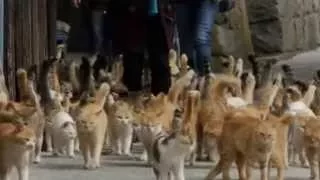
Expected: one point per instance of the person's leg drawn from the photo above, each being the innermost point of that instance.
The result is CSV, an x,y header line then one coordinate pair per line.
x,y
133,65
185,18
158,56
206,14
97,26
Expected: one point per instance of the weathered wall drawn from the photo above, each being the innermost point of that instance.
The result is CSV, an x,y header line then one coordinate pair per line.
x,y
277,26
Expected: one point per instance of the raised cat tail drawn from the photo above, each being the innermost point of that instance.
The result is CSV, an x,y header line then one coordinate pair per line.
x,y
223,83
74,78
177,88
22,79
309,95
191,113
102,94
228,65
44,88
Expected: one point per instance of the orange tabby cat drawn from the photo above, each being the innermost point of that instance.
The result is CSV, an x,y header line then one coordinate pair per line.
x,y
91,120
16,145
246,138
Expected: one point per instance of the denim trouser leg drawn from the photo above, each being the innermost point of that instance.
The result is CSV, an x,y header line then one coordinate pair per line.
x,y
185,16
206,14
97,24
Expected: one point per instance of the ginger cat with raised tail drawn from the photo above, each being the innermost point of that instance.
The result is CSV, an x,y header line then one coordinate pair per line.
x,y
16,145
120,126
170,150
60,126
92,124
247,137
29,110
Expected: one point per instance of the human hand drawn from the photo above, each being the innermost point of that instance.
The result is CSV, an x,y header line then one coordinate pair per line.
x,y
76,3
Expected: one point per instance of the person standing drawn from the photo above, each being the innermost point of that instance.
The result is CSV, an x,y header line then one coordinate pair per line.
x,y
99,20
195,20
143,26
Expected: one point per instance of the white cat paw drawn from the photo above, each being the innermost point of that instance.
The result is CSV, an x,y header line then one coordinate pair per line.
x,y
49,150
71,156
36,160
143,157
77,150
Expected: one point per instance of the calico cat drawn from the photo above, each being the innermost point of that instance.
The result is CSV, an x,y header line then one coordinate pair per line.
x,y
170,150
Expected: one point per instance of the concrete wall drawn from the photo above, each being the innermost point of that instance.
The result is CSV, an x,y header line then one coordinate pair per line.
x,y
277,27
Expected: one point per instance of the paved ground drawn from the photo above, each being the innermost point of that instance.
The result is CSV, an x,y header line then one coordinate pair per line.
x,y
121,168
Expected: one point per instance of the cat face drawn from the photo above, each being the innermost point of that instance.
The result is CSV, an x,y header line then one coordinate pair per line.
x,y
69,130
66,89
264,136
19,135
87,117
123,113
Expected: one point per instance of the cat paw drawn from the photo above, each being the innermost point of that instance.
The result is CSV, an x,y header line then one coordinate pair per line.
x,y
143,157
49,150
77,150
37,160
71,156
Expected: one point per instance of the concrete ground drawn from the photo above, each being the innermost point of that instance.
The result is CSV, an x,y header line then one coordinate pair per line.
x,y
124,168
121,168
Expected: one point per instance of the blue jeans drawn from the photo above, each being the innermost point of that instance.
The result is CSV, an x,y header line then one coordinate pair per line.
x,y
195,20
101,32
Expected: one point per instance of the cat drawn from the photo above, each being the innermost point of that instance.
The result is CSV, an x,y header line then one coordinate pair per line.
x,y
311,137
92,122
169,150
29,109
16,145
120,126
60,126
247,137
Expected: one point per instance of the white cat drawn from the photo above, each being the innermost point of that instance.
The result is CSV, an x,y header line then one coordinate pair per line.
x,y
64,133
120,126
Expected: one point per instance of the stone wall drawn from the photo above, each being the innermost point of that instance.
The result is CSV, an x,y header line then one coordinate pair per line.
x,y
277,26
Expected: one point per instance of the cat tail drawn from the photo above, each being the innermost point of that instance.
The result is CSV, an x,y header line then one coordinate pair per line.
x,y
310,94
22,80
190,116
44,87
224,82
74,77
118,69
184,64
228,65
173,62
177,88
55,82
102,94
288,74
238,70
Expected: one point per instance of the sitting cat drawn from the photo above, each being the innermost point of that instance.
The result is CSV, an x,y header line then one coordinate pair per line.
x,y
16,145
